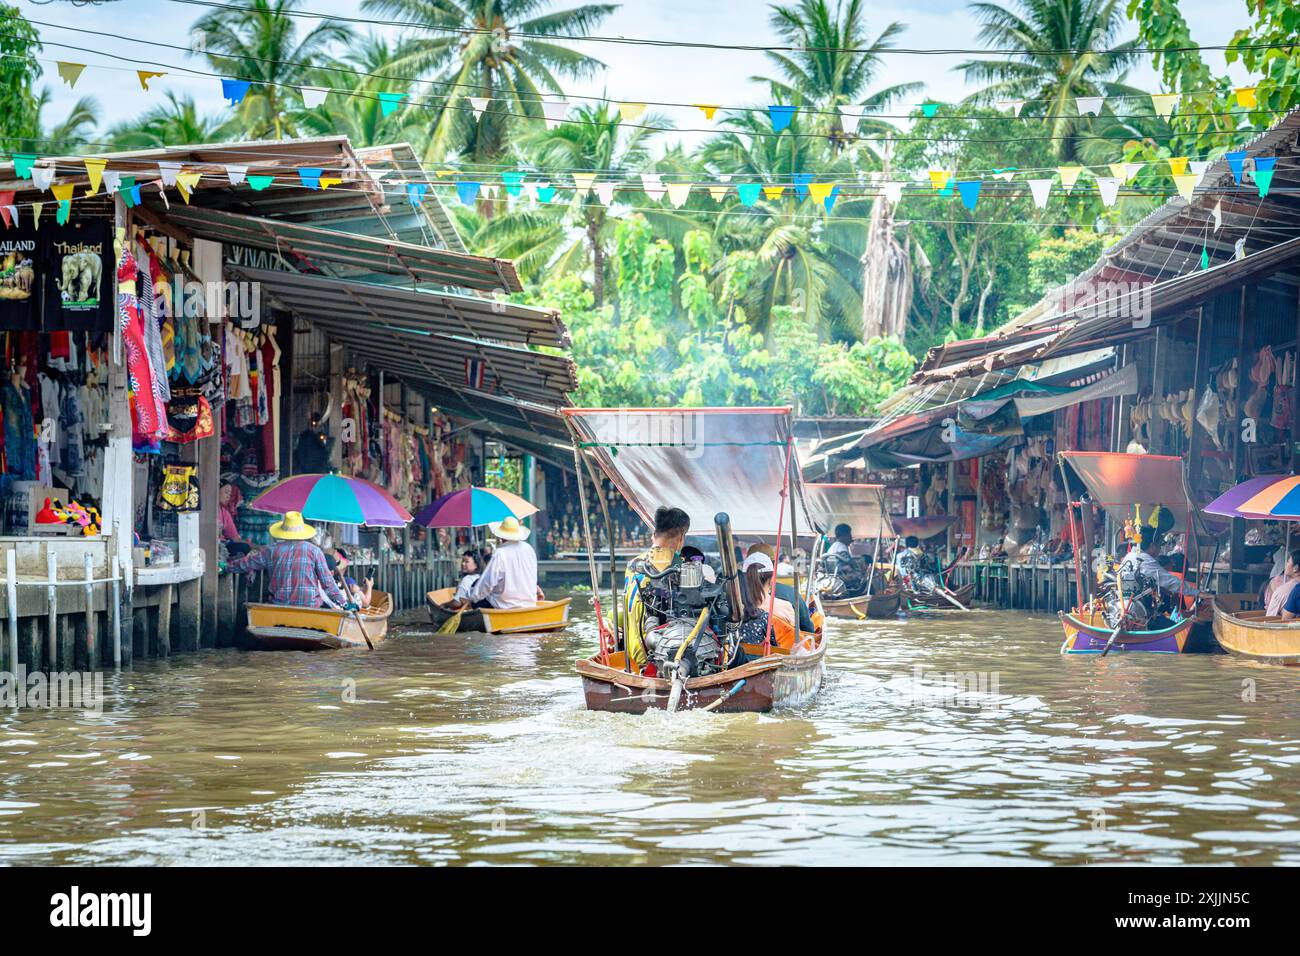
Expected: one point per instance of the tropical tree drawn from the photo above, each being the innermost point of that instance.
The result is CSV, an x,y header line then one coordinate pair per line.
x,y
259,40
495,49
1063,49
19,71
175,122
70,134
355,110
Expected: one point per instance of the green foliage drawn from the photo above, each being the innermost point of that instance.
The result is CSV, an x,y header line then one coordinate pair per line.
x,y
19,70
1058,259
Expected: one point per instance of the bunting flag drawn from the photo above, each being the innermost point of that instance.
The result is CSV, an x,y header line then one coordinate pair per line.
x,y
946,191
773,192
512,181
820,191
893,192
414,192
234,91
236,173
1108,186
467,192
630,111
652,186
1088,104
42,176
131,196
833,195
554,112
313,96
1264,172
938,179
1040,189
604,192
112,180
478,104
1069,175
850,117
1131,170
258,183
718,192
63,212
1164,104
1005,173
36,214
1199,166
95,173
1118,171
23,164
1205,258
7,208
327,181
1178,165
780,116
970,192
1246,97
582,182
1239,248
70,72
186,183
545,192
748,193
1186,184
389,102
708,110
145,76
928,110
801,181
310,176
1015,106
1236,162
63,191
530,190
1218,215
168,170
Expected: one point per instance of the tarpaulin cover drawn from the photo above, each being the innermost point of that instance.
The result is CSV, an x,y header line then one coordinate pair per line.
x,y
1119,481
702,460
924,527
861,507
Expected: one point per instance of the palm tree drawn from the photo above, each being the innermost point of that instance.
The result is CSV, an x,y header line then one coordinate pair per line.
x,y
489,48
1095,65
259,42
355,110
70,134
176,122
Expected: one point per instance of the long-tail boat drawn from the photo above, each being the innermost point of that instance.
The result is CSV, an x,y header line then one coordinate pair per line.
x,y
862,508
277,627
733,470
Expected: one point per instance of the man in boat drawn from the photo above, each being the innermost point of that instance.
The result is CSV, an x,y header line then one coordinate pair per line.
x,y
299,576
671,525
510,578
1140,569
785,585
910,563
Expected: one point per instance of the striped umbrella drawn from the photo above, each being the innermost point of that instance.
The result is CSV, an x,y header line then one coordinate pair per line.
x,y
471,507
334,498
1268,496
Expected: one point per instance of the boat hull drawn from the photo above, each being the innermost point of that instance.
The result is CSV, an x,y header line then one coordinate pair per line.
x,y
1252,635
275,627
937,602
882,605
1087,634
544,616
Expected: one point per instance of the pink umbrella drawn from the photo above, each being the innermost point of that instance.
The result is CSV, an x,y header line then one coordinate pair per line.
x,y
334,498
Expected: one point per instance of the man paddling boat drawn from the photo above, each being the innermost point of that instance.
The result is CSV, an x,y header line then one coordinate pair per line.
x,y
300,576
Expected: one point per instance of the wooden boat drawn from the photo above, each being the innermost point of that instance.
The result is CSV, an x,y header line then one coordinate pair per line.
x,y
780,679
1254,635
275,627
1087,633
938,602
543,616
882,605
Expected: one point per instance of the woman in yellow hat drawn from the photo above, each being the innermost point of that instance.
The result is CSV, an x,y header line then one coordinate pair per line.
x,y
299,575
510,578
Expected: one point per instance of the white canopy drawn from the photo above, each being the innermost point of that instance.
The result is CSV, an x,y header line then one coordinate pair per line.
x,y
861,507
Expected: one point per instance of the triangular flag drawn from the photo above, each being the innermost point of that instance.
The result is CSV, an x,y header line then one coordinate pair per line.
x,y
678,193
467,192
168,170
1178,165
95,173
630,111
801,181
512,181
1264,172
234,91
970,192
414,192
819,191
9,211
604,192
1246,98
236,173
893,191
63,191
389,102
748,193
1199,166
1236,162
258,183
1186,185
554,111
42,176
708,110
718,192
928,110
582,182
829,201
478,104
145,76
310,176
186,184
313,96
36,213
652,186
1017,106
1164,104
1117,170
131,196
946,191
1089,104
780,116
70,72
112,179
1131,170
64,211
1069,175
1205,258
1040,189
849,118
1006,174
1108,186
545,192
23,165
773,192
1218,215
327,181
938,178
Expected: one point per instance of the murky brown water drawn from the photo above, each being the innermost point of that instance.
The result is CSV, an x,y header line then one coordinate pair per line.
x,y
477,749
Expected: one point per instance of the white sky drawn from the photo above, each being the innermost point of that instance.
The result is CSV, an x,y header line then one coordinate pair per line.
x,y
634,73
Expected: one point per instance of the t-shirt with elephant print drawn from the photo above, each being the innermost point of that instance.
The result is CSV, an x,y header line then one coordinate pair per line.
x,y
79,278
20,267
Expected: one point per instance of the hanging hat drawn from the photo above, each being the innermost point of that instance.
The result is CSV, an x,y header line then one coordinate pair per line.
x,y
292,528
509,529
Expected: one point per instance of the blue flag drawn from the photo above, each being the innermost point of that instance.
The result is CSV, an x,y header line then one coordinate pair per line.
x,y
781,116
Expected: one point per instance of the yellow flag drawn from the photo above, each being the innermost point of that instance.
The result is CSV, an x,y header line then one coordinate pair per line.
x,y
718,192
708,109
583,182
773,192
630,111
938,178
1178,165
185,184
36,213
1164,103
327,181
1186,184
819,191
95,173
1069,175
145,77
1246,98
1119,171
70,72
62,191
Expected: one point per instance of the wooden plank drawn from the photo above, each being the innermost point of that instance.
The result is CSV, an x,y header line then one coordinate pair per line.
x,y
162,631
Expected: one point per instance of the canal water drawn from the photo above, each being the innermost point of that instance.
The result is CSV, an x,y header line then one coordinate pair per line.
x,y
477,749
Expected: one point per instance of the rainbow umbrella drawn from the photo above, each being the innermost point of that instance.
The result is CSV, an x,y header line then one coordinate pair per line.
x,y
334,498
471,507
1240,501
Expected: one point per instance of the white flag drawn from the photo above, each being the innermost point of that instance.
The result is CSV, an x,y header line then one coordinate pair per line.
x,y
894,192
168,171
849,117
1089,104
1108,186
236,174
1132,169
554,112
653,187
1040,188
313,96
678,193
112,179
604,192
1218,215
478,104
42,176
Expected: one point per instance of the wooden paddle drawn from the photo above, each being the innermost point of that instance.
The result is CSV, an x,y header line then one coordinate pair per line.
x,y
948,596
731,692
356,616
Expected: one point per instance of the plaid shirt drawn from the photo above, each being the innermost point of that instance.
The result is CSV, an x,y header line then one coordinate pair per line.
x,y
298,572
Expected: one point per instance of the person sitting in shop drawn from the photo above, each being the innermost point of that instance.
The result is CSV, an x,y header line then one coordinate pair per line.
x,y
299,576
510,578
229,498
361,593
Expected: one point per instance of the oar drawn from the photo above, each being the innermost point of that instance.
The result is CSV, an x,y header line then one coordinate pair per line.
x,y
854,609
944,592
1119,627
356,616
731,692
452,624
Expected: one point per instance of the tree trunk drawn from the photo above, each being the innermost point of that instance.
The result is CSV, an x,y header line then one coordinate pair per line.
x,y
886,278
597,262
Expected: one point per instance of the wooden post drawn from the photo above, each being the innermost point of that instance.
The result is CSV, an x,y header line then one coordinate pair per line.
x,y
162,636
11,584
189,614
52,596
1237,577
115,611
91,649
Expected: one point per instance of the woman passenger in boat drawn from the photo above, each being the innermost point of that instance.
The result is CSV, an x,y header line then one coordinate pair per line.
x,y
1284,596
785,591
757,574
471,568
360,593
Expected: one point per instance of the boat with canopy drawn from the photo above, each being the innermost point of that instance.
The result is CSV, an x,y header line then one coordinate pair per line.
x,y
862,508
735,473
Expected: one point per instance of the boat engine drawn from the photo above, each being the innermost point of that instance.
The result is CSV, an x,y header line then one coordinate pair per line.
x,y
1117,586
702,657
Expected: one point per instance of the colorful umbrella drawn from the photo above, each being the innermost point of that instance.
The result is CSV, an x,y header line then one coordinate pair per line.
x,y
334,498
471,507
1268,496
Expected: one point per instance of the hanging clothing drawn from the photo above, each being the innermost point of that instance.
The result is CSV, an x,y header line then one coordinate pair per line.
x,y
20,433
147,413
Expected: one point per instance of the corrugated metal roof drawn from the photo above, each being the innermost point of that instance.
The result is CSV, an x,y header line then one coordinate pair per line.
x,y
394,166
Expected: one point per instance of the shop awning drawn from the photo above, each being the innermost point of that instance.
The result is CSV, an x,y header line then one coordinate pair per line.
x,y
861,507
1118,481
349,255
